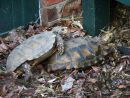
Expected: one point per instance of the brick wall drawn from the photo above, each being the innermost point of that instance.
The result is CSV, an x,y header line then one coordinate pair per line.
x,y
52,11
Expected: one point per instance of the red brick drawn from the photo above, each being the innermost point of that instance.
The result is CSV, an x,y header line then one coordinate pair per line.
x,y
44,16
49,15
52,14
44,3
50,2
73,7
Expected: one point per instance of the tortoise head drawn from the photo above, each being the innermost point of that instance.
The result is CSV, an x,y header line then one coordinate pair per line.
x,y
60,30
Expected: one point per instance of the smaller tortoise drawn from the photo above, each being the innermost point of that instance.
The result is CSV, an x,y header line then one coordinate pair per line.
x,y
36,49
77,52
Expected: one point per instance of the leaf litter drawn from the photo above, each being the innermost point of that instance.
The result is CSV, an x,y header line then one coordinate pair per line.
x,y
108,77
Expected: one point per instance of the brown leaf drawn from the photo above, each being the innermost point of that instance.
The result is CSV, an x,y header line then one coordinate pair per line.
x,y
1,49
9,95
96,69
3,46
12,45
121,86
118,68
3,91
92,80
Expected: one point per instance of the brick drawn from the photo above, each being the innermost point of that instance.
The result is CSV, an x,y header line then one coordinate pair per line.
x,y
72,7
43,3
52,14
44,16
50,2
49,15
52,10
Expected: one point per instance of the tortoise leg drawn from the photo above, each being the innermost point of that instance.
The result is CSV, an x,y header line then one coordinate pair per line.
x,y
60,44
27,69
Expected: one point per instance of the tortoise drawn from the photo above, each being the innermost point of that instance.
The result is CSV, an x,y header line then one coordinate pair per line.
x,y
79,53
36,49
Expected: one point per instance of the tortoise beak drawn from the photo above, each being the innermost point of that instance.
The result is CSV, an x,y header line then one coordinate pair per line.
x,y
65,30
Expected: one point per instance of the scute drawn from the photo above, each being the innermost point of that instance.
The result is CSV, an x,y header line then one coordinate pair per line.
x,y
30,49
77,50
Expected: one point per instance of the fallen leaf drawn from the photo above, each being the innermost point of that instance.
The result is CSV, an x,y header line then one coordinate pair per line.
x,y
68,83
92,80
121,86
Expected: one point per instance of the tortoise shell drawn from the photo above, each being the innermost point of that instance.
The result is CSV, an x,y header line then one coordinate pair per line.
x,y
37,46
77,51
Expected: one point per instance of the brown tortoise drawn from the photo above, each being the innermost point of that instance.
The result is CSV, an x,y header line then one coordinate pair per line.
x,y
77,52
36,49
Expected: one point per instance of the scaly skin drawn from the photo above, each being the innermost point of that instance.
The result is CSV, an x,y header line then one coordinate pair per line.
x,y
60,44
